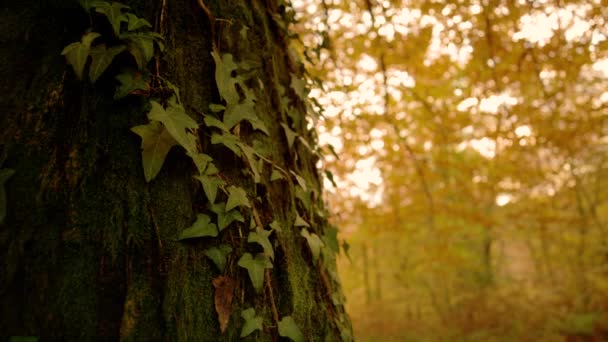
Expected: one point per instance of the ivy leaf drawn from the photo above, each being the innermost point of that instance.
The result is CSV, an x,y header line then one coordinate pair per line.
x,y
299,222
218,255
210,185
130,82
225,218
237,197
77,53
275,225
224,293
249,153
210,121
236,113
200,228
229,140
87,4
113,12
276,174
177,122
330,238
261,237
346,249
330,177
101,59
314,242
291,135
141,47
224,66
155,145
5,174
135,22
216,108
201,161
288,328
252,322
301,181
255,268
299,86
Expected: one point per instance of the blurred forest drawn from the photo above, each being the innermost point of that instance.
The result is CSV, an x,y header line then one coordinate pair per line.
x,y
473,155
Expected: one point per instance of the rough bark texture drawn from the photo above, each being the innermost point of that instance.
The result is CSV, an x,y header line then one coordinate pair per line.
x,y
88,249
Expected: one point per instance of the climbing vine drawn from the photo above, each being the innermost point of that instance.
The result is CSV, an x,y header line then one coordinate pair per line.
x,y
229,206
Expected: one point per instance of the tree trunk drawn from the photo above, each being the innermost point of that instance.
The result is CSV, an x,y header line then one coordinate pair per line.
x,y
89,250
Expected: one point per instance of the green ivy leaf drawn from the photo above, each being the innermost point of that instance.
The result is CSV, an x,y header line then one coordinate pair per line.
x,y
229,140
216,108
252,322
101,59
237,197
255,268
5,174
225,218
314,242
210,121
236,113
299,222
299,86
330,238
200,228
218,255
291,135
141,47
210,185
249,153
301,181
261,237
275,175
155,145
177,122
135,22
275,225
288,328
77,53
130,82
201,161
330,177
224,66
113,12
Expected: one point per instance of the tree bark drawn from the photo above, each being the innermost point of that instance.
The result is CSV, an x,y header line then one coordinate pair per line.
x,y
88,249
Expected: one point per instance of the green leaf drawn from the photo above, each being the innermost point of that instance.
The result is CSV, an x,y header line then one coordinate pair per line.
x,y
210,121
275,225
249,153
77,53
201,161
301,181
218,255
210,185
229,140
225,218
155,145
276,174
113,12
261,237
216,108
331,239
314,242
299,222
224,66
330,177
101,59
299,86
288,328
255,268
236,113
200,228
291,135
5,174
237,197
135,22
141,47
177,122
252,322
130,82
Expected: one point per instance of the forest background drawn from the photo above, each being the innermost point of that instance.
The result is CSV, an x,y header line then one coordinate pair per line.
x,y
470,162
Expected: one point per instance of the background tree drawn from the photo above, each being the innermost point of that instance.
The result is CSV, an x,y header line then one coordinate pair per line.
x,y
93,245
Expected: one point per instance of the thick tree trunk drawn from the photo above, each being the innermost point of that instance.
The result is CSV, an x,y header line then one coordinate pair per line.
x,y
88,249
